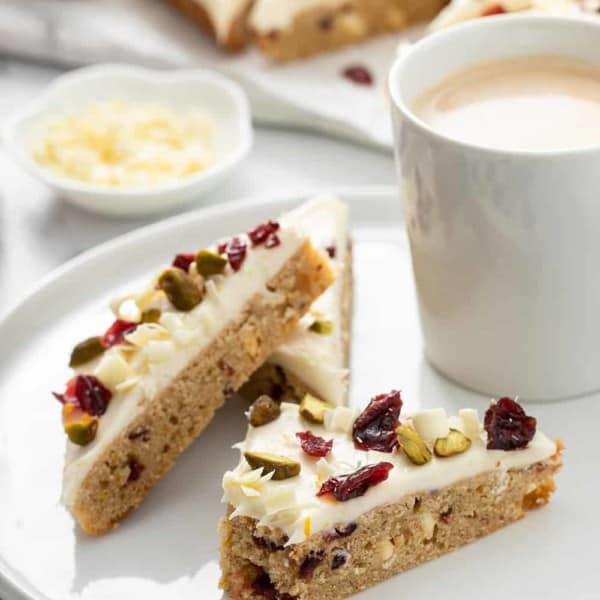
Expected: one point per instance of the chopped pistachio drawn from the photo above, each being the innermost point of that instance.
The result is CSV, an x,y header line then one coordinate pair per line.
x,y
263,411
80,427
413,445
456,442
281,466
210,263
312,409
180,288
322,327
152,315
86,351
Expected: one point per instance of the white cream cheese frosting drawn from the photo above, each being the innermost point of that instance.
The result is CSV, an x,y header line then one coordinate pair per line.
x,y
157,352
223,14
270,15
464,10
292,504
319,360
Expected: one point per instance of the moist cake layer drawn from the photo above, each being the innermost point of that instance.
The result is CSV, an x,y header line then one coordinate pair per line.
x,y
387,540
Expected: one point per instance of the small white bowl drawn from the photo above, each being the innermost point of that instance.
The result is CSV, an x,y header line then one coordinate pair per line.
x,y
207,91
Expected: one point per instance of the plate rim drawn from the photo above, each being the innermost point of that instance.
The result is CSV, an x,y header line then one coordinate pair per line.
x,y
10,587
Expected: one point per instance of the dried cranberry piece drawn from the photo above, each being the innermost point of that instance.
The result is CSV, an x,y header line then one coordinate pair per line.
x,y
326,23
92,396
494,9
314,445
340,558
116,333
235,250
272,241
68,397
86,392
375,428
183,261
359,75
347,530
353,485
226,368
340,532
446,516
263,233
135,470
331,250
140,432
268,544
263,586
313,559
507,426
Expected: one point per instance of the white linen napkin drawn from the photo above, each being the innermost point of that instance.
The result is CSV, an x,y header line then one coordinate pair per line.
x,y
311,94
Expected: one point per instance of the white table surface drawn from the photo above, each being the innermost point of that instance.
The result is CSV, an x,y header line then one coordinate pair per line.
x,y
38,232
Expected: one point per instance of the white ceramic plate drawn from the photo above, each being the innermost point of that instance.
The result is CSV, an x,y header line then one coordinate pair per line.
x,y
168,549
180,90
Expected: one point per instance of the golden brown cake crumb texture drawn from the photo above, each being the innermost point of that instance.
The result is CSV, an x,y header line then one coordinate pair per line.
x,y
273,380
321,28
238,35
151,444
387,540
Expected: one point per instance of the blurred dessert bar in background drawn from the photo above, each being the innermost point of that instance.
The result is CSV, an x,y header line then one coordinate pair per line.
x,y
292,29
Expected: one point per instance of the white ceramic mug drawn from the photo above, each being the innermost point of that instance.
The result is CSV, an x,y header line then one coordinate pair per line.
x,y
505,245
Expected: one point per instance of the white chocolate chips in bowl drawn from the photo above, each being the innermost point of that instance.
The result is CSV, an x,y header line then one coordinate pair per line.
x,y
128,141
124,144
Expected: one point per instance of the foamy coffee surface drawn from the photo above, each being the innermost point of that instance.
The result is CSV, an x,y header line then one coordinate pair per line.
x,y
526,103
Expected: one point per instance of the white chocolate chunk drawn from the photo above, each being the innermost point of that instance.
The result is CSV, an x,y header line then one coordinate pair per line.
x,y
171,321
324,469
116,302
428,525
145,333
128,384
149,387
130,311
340,419
431,424
159,351
186,337
112,370
385,550
469,421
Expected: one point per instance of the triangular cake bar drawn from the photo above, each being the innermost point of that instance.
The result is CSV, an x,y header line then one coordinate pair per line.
x,y
326,502
142,391
292,29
